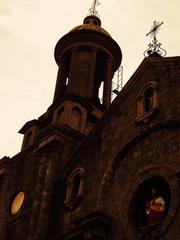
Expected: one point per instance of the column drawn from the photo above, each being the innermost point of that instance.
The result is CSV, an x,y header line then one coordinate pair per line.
x,y
92,73
60,82
71,70
107,84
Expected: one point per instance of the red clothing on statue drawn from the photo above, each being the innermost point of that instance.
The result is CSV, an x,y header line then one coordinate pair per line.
x,y
154,217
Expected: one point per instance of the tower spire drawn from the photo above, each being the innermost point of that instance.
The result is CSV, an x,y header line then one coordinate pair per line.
x,y
92,10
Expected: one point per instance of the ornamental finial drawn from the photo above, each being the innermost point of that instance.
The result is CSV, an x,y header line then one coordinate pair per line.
x,y
92,10
155,46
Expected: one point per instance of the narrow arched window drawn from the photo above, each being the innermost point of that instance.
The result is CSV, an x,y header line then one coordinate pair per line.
x,y
148,99
75,188
77,117
60,113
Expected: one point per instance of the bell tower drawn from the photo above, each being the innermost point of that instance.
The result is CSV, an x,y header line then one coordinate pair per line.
x,y
87,57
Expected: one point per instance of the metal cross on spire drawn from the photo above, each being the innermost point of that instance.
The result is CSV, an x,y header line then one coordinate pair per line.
x,y
155,46
92,10
155,29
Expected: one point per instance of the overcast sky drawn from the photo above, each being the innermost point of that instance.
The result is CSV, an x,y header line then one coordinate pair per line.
x,y
29,30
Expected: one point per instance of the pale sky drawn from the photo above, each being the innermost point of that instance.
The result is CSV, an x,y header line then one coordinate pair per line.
x,y
29,30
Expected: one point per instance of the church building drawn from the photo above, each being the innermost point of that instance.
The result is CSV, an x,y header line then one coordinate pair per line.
x,y
90,169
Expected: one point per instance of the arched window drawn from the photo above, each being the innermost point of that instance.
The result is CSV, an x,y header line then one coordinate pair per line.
x,y
77,117
75,188
148,101
60,113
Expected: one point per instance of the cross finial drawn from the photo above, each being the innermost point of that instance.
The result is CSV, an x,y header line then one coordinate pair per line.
x,y
155,29
92,10
155,46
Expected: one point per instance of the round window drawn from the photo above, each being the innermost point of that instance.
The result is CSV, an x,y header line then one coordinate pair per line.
x,y
150,203
17,203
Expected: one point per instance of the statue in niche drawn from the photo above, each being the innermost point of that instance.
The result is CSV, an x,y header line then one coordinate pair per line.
x,y
155,208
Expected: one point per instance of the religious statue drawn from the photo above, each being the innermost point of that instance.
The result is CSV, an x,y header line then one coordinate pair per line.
x,y
155,208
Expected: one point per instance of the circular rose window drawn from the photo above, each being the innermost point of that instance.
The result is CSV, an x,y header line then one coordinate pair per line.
x,y
150,203
17,203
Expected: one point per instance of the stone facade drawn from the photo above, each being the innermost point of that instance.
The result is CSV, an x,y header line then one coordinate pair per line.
x,y
86,167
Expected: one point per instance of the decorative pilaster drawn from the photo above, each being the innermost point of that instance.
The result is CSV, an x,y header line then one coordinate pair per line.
x,y
46,197
45,202
37,196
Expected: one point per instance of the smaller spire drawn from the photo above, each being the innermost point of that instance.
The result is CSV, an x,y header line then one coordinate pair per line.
x,y
155,46
92,10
